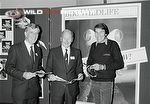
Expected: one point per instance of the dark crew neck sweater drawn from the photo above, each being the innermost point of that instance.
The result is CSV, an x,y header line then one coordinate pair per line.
x,y
106,54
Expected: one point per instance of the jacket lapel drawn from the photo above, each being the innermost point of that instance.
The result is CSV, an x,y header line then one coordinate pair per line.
x,y
36,53
70,59
25,53
61,58
61,52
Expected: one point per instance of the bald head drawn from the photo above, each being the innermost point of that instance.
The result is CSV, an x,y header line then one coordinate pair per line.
x,y
67,31
66,38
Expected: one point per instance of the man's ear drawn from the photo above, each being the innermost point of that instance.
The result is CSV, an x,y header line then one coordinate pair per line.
x,y
106,35
25,34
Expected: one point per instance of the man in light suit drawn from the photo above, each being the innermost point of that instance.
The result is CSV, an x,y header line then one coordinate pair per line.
x,y
24,61
65,64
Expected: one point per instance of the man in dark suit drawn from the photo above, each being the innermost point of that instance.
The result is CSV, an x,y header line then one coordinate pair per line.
x,y
24,61
65,64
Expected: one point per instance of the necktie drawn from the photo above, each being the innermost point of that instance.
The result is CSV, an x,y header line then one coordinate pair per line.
x,y
32,54
66,56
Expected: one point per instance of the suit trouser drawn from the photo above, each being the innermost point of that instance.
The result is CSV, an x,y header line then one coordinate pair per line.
x,y
102,92
26,101
63,98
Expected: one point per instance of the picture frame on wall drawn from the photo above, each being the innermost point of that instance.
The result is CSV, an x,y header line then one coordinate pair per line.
x,y
7,24
2,35
3,75
6,46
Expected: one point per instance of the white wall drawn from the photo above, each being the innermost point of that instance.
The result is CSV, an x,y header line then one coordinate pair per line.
x,y
53,3
119,1
36,3
0,4
89,2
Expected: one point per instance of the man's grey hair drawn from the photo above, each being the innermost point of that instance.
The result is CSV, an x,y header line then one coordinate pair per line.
x,y
32,26
68,31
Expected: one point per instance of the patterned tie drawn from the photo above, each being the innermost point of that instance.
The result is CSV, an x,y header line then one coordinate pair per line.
x,y
32,54
66,57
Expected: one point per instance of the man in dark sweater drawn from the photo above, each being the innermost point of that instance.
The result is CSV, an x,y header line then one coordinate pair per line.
x,y
103,61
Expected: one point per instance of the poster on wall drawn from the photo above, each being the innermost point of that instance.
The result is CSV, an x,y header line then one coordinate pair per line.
x,y
2,34
123,21
3,75
6,34
7,24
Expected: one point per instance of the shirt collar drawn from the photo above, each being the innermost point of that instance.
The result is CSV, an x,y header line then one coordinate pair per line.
x,y
65,48
105,41
28,45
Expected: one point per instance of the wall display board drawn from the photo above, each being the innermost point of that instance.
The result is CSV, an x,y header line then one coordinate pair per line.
x,y
6,34
124,23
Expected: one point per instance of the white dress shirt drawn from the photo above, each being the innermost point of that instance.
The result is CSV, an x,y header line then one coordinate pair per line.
x,y
64,51
28,45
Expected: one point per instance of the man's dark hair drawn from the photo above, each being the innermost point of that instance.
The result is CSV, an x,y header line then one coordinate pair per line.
x,y
102,26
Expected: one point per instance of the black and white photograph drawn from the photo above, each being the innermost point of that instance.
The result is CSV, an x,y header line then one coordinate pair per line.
x,y
2,35
6,46
6,34
3,75
122,30
125,37
7,24
75,52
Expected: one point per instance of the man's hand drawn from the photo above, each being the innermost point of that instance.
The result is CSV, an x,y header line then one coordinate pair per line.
x,y
85,71
40,73
80,76
29,75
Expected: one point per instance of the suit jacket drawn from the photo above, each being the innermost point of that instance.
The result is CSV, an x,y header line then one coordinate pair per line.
x,y
18,62
56,65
